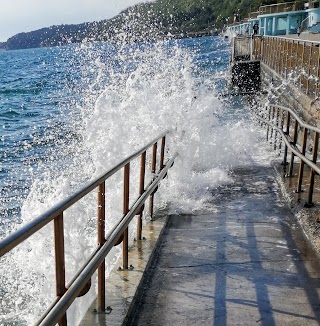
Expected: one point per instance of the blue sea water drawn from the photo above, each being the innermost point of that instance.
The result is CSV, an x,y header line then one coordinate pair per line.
x,y
32,93
68,113
40,93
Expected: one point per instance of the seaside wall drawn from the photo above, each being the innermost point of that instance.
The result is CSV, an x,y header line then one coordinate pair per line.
x,y
285,92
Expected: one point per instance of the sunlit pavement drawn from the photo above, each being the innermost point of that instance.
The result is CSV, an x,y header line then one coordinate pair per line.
x,y
248,263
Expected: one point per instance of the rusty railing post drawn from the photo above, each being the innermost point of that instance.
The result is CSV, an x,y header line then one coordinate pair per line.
x,y
294,142
125,243
277,116
101,240
286,57
309,69
153,171
303,152
287,132
141,190
312,172
269,120
60,262
281,127
163,145
316,91
272,121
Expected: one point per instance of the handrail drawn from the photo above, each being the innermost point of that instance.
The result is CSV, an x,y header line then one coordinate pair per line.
x,y
81,281
29,229
88,270
291,58
294,114
292,39
279,116
294,149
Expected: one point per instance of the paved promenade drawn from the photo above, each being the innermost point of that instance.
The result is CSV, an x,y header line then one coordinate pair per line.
x,y
245,264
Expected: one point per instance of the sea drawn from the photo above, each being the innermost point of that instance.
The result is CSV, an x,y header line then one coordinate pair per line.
x,y
67,114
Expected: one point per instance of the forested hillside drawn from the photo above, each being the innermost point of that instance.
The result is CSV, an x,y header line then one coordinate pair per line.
x,y
151,20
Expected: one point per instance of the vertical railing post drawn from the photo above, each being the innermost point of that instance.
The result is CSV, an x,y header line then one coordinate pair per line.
x,y
287,132
101,240
141,191
60,261
317,75
269,120
295,137
302,65
286,57
283,55
153,170
163,145
291,55
281,128
276,130
309,69
272,53
272,121
303,152
125,243
312,172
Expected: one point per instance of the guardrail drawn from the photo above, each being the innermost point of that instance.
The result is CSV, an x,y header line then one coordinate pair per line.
x,y
81,282
280,7
284,125
291,58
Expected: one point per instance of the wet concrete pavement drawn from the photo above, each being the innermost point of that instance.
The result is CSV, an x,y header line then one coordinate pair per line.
x,y
248,263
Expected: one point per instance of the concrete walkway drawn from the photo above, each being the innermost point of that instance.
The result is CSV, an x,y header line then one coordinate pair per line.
x,y
245,264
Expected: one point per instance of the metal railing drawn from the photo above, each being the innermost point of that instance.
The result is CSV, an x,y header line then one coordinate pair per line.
x,y
280,7
81,282
291,59
284,126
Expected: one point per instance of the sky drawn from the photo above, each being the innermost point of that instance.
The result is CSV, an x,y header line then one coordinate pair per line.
x,y
18,16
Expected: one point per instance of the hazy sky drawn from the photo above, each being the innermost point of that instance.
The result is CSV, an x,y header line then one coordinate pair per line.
x,y
27,15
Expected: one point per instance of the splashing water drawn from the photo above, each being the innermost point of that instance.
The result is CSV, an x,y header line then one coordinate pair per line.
x,y
113,100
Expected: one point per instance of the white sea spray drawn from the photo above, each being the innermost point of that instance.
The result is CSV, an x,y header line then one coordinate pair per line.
x,y
128,94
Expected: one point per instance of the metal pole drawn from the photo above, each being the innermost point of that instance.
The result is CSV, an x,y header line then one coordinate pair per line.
x,y
141,191
101,240
285,145
281,127
269,119
153,170
276,131
317,75
302,64
309,68
312,173
286,57
163,145
60,262
125,243
295,136
272,118
303,152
